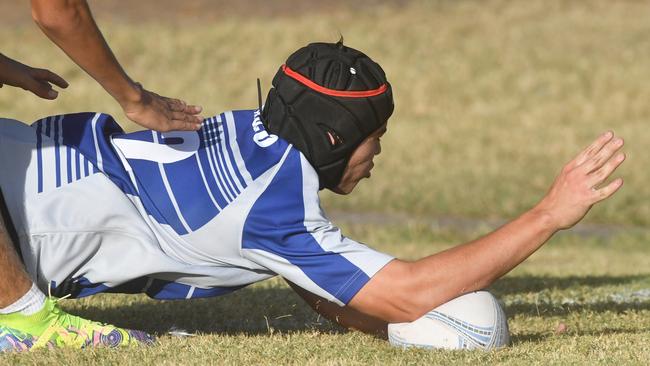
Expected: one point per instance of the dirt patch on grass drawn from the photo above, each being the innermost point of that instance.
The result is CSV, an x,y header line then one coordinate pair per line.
x,y
471,225
183,12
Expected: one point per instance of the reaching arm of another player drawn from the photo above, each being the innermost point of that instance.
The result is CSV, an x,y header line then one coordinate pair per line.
x,y
403,291
38,81
69,24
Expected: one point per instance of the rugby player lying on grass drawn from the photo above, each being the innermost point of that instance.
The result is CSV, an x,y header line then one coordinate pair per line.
x,y
196,214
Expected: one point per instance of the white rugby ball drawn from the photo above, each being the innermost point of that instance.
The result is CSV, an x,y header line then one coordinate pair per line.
x,y
472,321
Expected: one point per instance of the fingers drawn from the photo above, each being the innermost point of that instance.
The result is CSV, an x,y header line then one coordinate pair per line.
x,y
184,116
184,121
163,114
193,109
596,161
38,82
608,190
593,149
49,76
41,88
177,105
598,176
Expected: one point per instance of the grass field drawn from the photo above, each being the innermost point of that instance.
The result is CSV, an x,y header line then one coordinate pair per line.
x,y
492,97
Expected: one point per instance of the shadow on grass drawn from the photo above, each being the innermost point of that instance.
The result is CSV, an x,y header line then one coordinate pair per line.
x,y
254,311
547,310
539,337
250,311
529,283
543,307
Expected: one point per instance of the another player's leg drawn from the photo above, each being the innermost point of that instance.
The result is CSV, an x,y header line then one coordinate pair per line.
x,y
30,320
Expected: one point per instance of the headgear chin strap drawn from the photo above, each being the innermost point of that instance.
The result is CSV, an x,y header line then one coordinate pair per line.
x,y
326,99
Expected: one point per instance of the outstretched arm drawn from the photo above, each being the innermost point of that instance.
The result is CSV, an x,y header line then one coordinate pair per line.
x,y
403,291
69,24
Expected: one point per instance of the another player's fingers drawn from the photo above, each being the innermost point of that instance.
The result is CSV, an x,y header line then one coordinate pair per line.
x,y
600,175
183,125
186,121
193,109
593,148
192,118
41,89
49,76
176,105
604,155
608,190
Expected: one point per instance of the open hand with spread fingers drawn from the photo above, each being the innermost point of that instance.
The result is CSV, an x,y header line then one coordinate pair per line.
x,y
581,183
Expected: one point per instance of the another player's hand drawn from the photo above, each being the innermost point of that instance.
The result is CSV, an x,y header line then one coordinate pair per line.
x,y
161,113
580,183
38,81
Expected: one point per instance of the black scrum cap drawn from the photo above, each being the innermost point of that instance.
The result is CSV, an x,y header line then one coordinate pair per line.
x,y
326,99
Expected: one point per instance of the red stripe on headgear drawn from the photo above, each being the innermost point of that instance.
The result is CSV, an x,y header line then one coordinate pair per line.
x,y
327,91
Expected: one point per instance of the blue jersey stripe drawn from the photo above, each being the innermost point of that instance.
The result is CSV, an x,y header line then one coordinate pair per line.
x,y
39,154
208,168
231,154
188,189
154,194
154,288
205,182
215,137
212,140
77,157
210,176
223,154
57,156
257,159
281,207
68,154
168,189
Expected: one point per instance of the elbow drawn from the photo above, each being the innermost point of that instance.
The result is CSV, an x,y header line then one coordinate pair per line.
x,y
408,302
57,16
408,310
399,293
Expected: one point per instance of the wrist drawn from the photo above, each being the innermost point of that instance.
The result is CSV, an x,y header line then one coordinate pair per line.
x,y
545,219
128,94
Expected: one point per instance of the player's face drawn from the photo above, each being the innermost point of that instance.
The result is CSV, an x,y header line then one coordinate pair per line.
x,y
360,163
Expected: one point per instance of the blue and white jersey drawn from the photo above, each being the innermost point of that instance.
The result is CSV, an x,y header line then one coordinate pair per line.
x,y
174,215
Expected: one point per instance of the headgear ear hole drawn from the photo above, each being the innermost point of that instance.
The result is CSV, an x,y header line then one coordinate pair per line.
x,y
334,138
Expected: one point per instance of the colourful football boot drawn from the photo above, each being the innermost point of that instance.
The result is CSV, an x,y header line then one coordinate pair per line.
x,y
52,327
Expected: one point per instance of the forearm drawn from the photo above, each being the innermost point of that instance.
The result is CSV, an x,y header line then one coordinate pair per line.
x,y
6,76
477,264
404,291
69,24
